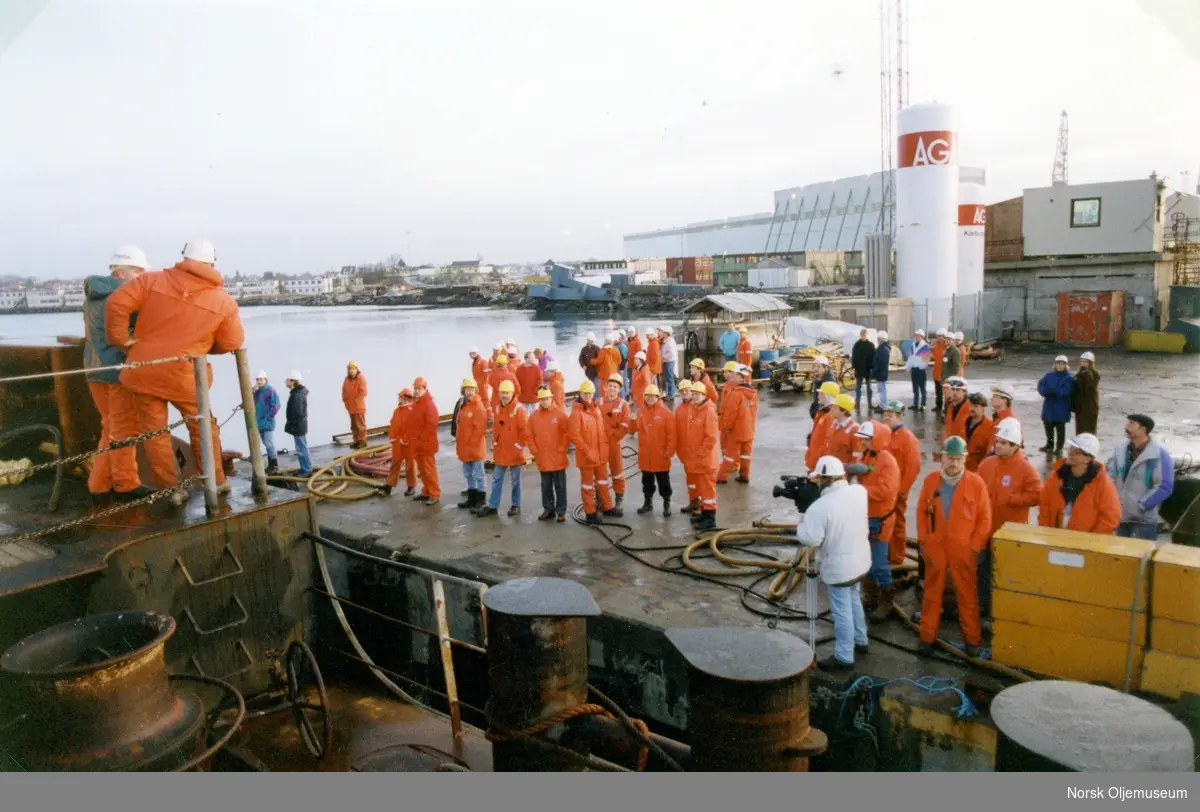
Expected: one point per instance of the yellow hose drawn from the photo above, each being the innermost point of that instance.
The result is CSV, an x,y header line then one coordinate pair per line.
x,y
326,484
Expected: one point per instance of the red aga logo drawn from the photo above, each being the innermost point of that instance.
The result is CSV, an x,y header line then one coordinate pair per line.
x,y
929,148
972,214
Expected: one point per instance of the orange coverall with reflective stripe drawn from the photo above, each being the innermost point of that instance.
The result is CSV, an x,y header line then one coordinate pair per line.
x,y
737,424
585,431
424,432
906,449
696,446
616,426
401,453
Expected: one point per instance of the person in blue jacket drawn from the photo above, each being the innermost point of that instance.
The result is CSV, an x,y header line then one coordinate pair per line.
x,y
266,406
879,369
729,343
1056,389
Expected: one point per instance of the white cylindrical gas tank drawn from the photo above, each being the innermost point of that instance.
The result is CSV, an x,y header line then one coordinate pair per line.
x,y
927,208
972,217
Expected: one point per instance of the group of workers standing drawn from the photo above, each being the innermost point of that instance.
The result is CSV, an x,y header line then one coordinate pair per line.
x,y
866,471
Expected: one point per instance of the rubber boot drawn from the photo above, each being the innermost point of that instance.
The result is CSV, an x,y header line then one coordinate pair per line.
x,y
272,466
620,500
386,490
691,507
470,501
666,508
646,507
615,512
707,520
593,518
486,511
883,609
870,594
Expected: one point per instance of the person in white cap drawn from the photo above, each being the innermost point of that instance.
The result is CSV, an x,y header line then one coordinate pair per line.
x,y
1002,401
1078,493
266,406
1057,388
654,357
1086,400
670,352
296,420
587,359
918,366
937,357
953,360
633,345
183,310
836,525
1013,487
114,470
879,368
822,373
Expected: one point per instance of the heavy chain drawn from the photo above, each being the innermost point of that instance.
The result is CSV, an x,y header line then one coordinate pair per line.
x,y
91,517
33,469
87,370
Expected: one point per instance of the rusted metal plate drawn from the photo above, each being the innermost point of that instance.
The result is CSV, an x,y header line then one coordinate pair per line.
x,y
743,655
541,597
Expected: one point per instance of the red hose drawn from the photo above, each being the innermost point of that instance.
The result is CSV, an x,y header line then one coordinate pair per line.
x,y
377,465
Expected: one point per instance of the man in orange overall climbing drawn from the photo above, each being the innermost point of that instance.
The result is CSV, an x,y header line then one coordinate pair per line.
x,y
183,310
354,397
616,425
906,450
882,481
737,422
401,447
424,432
585,431
702,460
954,519
470,444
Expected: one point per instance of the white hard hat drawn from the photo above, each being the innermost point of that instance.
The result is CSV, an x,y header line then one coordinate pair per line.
x,y
829,466
1087,356
956,382
1087,443
649,329
1009,429
552,365
632,330
591,336
201,251
919,332
262,373
1061,359
866,430
129,255
639,355
294,375
620,333
745,370
1003,390
882,335
958,336
474,351
500,346
821,359
611,337
668,330
941,333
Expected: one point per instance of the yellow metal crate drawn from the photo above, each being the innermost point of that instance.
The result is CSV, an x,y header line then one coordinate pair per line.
x,y
1170,675
1176,584
1174,637
1067,616
1062,654
1085,568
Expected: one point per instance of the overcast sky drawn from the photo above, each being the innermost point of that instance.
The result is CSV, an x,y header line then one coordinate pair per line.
x,y
303,135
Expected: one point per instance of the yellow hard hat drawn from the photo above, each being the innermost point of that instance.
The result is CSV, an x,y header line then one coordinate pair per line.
x,y
616,378
844,402
353,364
730,366
507,386
652,390
697,362
587,388
741,329
686,386
544,393
469,383
830,388
502,359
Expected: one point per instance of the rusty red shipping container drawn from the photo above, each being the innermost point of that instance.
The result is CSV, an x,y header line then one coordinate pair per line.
x,y
1091,319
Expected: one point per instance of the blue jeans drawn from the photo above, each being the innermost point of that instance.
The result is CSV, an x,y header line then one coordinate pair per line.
x,y
849,621
302,454
919,377
881,392
1138,530
669,376
881,570
554,492
473,473
859,383
498,485
268,442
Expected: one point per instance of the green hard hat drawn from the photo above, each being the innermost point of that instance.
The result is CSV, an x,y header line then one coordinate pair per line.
x,y
955,447
894,406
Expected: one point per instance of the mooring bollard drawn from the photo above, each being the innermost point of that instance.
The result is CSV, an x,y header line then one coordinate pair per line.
x,y
537,667
748,700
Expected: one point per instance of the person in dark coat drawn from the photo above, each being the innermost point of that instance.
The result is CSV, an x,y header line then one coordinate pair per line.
x,y
879,370
1086,399
587,355
821,374
296,421
1056,389
862,358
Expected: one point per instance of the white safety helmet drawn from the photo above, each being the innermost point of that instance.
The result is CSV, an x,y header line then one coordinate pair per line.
x,y
956,382
650,330
941,332
201,251
1087,356
829,466
1061,359
262,373
919,332
552,365
1087,443
129,255
668,330
822,360
958,336
640,355
474,351
1009,429
294,375
866,431
591,336
882,335
632,330
1004,390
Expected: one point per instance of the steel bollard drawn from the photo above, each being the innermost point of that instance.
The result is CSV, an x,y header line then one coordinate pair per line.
x,y
258,469
208,465
537,666
748,700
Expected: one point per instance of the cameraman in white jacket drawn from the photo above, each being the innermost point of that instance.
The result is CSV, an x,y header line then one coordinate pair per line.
x,y
836,525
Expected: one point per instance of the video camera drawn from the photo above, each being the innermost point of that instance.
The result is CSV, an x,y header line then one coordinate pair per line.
x,y
801,490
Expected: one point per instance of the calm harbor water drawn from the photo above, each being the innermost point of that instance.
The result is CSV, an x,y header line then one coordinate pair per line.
x,y
392,346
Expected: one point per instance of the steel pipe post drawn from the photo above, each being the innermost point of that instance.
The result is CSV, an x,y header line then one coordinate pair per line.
x,y
537,667
207,463
257,468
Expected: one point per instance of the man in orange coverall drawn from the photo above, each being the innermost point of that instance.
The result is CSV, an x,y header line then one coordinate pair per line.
x,y
508,450
745,352
979,431
1078,494
183,310
585,431
882,482
616,425
697,449
398,433
480,368
843,434
424,433
500,373
907,451
818,437
547,438
470,443
954,519
655,427
354,398
739,414
1013,487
